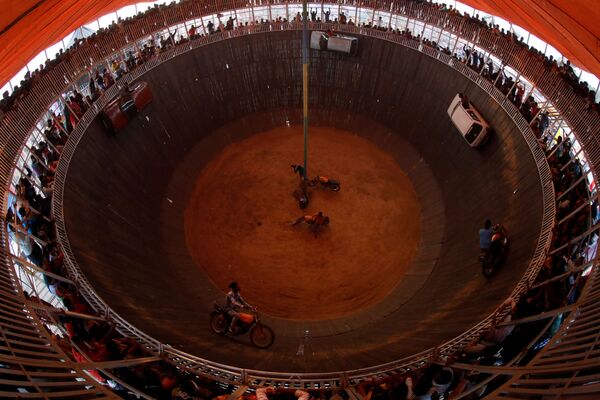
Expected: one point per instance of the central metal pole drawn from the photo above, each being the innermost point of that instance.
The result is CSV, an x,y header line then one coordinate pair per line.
x,y
305,81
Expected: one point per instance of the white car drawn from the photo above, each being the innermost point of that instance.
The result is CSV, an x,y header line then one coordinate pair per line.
x,y
468,121
320,40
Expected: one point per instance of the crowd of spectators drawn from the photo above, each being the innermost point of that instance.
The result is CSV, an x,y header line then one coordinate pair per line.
x,y
86,335
559,283
440,14
560,67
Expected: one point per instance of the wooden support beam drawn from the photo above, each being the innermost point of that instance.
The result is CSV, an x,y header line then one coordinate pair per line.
x,y
60,311
539,317
26,264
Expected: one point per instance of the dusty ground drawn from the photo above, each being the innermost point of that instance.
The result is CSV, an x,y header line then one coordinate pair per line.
x,y
238,224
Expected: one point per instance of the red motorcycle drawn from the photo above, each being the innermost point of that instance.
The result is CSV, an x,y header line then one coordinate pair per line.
x,y
261,335
326,183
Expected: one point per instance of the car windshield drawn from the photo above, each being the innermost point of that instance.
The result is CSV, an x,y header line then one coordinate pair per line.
x,y
473,133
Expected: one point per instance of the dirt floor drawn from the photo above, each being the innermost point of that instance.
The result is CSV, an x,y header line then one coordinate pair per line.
x,y
238,224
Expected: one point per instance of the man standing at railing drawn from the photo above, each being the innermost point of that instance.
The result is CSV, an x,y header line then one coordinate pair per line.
x,y
342,18
211,27
192,32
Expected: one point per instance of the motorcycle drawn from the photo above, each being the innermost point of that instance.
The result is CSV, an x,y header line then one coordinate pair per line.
x,y
493,258
326,183
261,335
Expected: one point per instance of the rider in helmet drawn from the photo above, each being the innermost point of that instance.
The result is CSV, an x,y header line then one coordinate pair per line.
x,y
485,236
234,303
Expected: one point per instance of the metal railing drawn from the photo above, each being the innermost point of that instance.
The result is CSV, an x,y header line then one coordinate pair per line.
x,y
236,375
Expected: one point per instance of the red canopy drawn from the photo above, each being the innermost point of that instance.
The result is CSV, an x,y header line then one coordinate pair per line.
x,y
29,26
571,26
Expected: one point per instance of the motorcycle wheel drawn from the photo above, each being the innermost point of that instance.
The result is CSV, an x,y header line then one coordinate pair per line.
x,y
262,336
335,187
219,324
487,267
107,124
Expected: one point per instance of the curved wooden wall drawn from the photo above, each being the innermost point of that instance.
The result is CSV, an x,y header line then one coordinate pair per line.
x,y
129,240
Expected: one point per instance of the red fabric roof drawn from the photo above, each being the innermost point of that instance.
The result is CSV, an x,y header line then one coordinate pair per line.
x,y
29,26
571,26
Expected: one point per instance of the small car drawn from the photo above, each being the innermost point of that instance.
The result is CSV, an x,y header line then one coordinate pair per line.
x,y
469,122
320,40
116,115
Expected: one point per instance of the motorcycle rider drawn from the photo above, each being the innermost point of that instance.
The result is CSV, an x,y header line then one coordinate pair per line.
x,y
301,194
490,240
485,237
234,302
316,220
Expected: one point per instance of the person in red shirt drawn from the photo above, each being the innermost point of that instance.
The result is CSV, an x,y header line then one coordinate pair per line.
x,y
317,221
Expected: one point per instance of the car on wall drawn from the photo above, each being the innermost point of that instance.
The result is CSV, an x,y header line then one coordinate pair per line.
x,y
469,122
131,100
324,41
